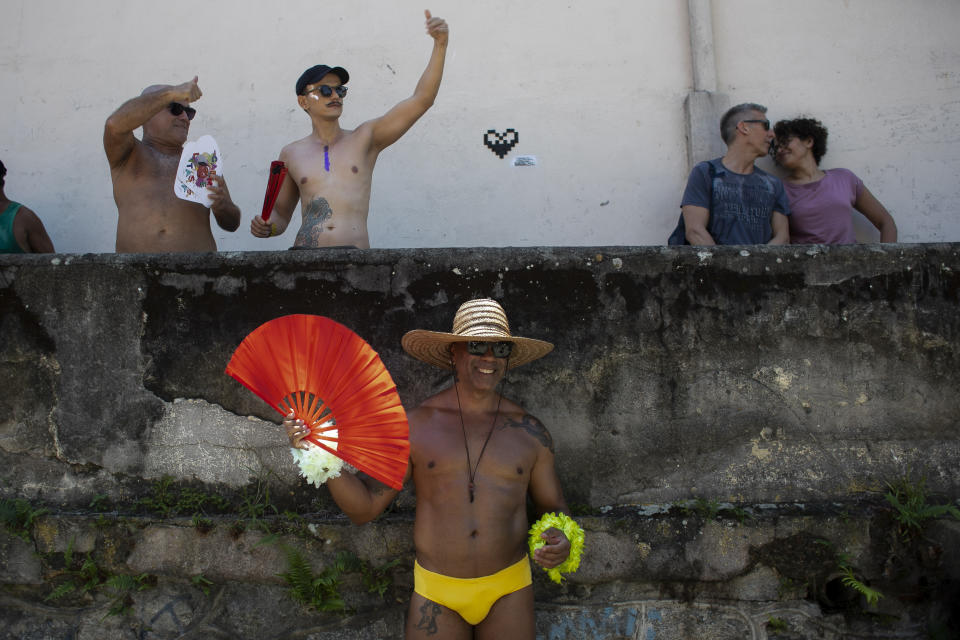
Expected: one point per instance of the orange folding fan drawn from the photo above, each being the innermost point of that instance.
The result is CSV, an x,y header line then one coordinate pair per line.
x,y
320,369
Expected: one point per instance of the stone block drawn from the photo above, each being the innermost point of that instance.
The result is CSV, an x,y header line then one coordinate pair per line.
x,y
18,561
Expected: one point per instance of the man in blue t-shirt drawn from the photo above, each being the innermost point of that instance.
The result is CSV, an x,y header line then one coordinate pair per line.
x,y
730,201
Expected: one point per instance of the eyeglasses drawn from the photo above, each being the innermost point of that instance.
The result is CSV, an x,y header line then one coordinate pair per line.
x,y
176,109
500,349
765,123
326,90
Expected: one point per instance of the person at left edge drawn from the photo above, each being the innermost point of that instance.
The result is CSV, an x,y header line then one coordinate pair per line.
x,y
21,230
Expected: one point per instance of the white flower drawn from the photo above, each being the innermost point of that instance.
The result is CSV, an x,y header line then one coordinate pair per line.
x,y
318,465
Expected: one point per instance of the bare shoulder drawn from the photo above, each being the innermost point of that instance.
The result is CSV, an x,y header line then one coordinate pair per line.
x,y
292,149
367,126
29,218
428,408
433,411
26,212
419,416
529,424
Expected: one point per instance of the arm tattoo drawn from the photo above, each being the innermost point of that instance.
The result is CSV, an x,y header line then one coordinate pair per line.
x,y
534,427
428,617
376,487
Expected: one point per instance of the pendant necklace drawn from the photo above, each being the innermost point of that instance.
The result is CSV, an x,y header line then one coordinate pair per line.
x,y
326,158
472,469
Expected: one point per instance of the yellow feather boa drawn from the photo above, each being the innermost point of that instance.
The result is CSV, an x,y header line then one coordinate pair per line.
x,y
574,534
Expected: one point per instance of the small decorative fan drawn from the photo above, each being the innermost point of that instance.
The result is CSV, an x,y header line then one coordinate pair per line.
x,y
335,382
278,171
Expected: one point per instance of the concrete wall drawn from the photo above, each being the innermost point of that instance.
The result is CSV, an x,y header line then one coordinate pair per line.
x,y
785,387
595,90
769,375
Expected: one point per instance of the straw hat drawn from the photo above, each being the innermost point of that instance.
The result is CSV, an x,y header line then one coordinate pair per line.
x,y
482,319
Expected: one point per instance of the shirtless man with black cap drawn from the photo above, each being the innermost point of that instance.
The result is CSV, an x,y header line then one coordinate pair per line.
x,y
330,171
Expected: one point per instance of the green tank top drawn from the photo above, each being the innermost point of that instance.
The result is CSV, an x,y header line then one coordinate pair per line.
x,y
8,242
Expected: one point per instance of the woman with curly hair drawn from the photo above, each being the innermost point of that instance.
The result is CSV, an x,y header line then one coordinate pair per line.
x,y
821,201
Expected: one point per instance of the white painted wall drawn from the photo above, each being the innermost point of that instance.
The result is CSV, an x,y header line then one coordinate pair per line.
x,y
595,90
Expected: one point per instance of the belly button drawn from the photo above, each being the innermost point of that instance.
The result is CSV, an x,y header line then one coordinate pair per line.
x,y
473,534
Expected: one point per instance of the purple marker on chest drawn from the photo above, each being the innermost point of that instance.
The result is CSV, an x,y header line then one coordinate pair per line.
x,y
326,158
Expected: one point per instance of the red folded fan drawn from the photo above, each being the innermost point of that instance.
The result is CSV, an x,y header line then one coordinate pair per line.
x,y
278,171
320,369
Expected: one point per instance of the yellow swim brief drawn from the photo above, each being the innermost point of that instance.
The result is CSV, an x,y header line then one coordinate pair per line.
x,y
471,597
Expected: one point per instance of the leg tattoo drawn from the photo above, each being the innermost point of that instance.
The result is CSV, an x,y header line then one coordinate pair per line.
x,y
428,617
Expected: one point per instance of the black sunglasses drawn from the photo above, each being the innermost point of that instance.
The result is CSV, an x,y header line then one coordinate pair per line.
x,y
326,90
176,109
500,349
765,123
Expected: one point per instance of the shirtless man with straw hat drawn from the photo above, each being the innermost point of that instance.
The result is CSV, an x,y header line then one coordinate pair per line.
x,y
475,456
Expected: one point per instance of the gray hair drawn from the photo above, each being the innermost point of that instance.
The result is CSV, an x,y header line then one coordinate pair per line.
x,y
730,120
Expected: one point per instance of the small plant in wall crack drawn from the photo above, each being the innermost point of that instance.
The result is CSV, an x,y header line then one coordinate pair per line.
x,y
706,509
168,500
321,592
911,508
777,625
84,577
18,516
850,579
201,582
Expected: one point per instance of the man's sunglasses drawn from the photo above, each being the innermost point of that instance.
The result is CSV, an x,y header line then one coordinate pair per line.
x,y
326,90
500,349
176,109
765,123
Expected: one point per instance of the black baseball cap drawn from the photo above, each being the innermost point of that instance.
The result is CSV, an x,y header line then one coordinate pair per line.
x,y
316,73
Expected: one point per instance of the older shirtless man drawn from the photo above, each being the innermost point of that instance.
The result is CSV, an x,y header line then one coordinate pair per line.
x,y
152,218
474,458
330,171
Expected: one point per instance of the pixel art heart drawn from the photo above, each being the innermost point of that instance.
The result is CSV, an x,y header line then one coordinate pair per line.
x,y
501,143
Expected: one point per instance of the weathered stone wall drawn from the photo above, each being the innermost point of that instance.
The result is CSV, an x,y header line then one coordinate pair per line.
x,y
727,421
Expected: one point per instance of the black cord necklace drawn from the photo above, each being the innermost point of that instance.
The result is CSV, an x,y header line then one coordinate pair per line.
x,y
472,469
